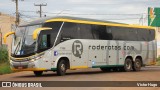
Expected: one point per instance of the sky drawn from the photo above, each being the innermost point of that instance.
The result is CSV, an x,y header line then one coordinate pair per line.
x,y
124,11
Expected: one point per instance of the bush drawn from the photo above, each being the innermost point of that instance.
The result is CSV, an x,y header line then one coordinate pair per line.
x,y
3,54
158,61
5,68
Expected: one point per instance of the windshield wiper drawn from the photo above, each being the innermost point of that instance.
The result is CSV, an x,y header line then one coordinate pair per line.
x,y
17,48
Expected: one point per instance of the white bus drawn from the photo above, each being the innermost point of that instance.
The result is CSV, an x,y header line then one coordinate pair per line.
x,y
61,43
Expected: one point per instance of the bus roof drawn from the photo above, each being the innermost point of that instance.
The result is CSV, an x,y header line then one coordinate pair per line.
x,y
82,20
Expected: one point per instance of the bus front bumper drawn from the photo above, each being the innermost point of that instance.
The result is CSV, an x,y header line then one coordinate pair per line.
x,y
25,66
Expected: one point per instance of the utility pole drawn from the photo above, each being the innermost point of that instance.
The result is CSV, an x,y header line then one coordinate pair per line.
x,y
40,5
17,13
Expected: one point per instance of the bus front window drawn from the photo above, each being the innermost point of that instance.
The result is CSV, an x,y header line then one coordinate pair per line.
x,y
23,43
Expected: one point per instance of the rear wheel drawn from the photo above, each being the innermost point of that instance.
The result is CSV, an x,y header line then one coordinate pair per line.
x,y
38,73
137,65
61,68
128,65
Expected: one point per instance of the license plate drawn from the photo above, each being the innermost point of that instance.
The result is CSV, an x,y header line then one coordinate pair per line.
x,y
20,67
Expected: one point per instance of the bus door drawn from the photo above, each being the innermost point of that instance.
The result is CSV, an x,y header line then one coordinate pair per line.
x,y
44,43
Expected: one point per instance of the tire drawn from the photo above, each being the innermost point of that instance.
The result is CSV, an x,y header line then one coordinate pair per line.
x,y
137,65
61,68
106,69
128,65
38,73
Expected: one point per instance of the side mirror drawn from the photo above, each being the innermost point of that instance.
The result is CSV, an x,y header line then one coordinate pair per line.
x,y
36,32
6,35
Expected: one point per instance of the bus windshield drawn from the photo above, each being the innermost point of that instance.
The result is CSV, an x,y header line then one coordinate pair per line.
x,y
23,43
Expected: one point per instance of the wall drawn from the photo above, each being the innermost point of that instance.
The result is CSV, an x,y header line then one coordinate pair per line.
x,y
5,26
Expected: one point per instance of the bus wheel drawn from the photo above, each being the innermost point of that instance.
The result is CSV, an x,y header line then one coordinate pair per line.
x,y
106,69
61,68
137,65
38,73
128,65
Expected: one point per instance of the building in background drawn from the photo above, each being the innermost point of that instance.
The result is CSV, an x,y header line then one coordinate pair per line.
x,y
6,21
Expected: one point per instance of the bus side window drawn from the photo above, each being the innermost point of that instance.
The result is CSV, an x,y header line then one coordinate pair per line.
x,y
45,42
95,31
69,31
84,31
108,33
143,35
151,35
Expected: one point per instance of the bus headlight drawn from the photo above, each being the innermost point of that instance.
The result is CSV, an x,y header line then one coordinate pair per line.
x,y
32,60
37,57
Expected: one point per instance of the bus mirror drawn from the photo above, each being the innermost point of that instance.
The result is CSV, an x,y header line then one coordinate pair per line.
x,y
36,32
6,35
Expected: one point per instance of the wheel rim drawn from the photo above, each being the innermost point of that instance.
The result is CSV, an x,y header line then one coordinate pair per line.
x,y
128,65
63,67
137,64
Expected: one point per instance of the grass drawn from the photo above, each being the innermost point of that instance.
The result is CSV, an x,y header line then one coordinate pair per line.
x,y
5,68
158,61
4,60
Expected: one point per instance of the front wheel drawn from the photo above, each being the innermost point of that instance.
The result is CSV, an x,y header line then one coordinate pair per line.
x,y
137,65
61,68
38,73
128,65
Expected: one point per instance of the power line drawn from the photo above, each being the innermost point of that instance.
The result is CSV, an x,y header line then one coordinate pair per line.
x,y
29,16
84,13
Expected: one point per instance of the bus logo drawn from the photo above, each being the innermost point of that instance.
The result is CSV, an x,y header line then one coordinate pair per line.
x,y
77,48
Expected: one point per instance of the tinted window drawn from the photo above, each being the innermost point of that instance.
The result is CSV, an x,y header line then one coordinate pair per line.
x,y
124,33
45,41
69,31
114,33
143,34
151,35
75,31
84,31
95,31
99,32
47,38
